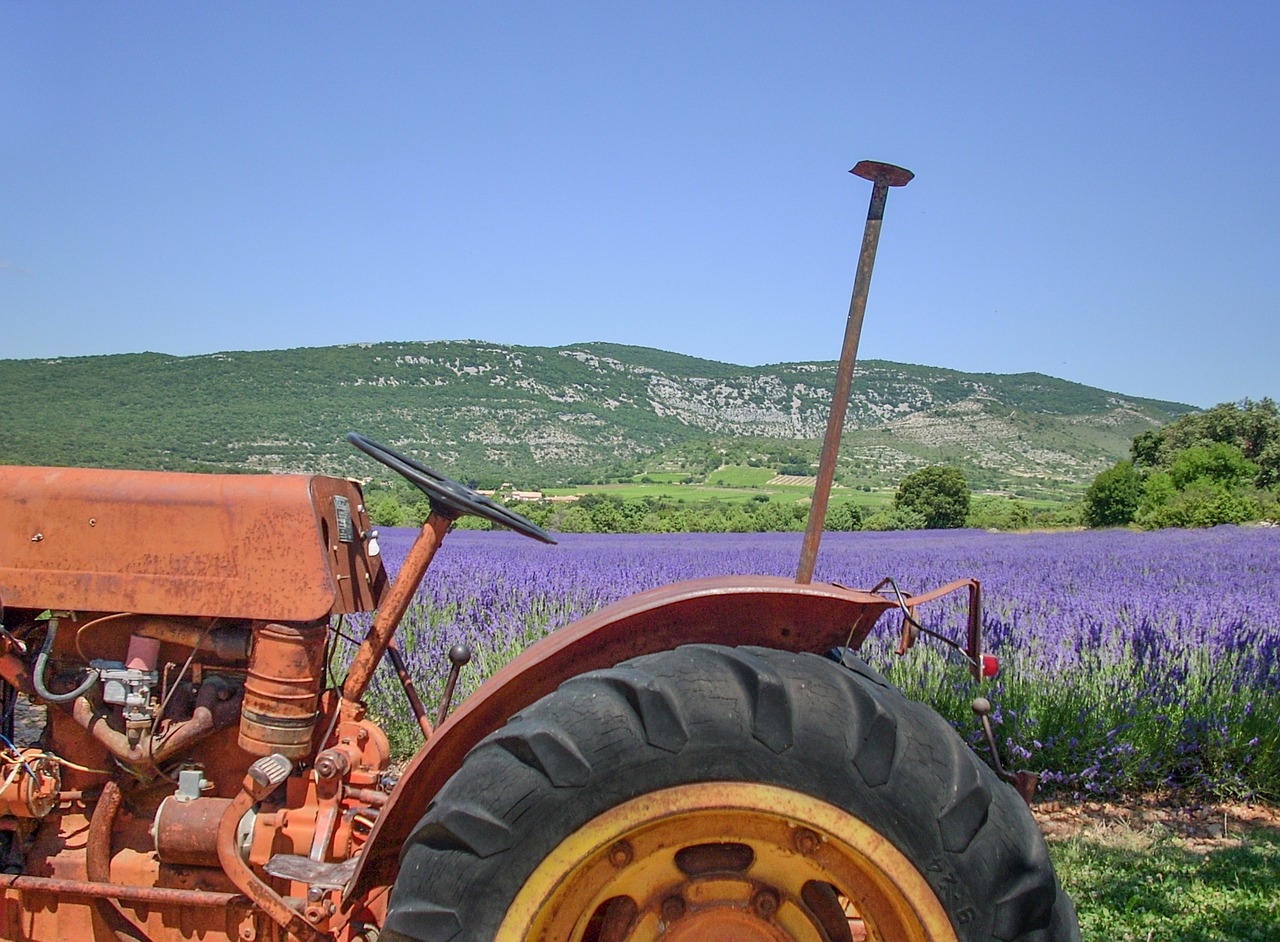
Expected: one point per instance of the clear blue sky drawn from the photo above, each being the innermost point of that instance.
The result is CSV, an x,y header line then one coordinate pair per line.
x,y
1096,198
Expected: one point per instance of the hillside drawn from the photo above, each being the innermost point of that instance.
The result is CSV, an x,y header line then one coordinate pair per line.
x,y
546,415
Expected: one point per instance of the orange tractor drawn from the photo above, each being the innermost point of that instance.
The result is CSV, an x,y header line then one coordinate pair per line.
x,y
705,761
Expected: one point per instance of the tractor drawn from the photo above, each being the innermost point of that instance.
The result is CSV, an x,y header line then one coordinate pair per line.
x,y
710,760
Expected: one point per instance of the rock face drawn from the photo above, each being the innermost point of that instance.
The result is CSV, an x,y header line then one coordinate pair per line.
x,y
544,413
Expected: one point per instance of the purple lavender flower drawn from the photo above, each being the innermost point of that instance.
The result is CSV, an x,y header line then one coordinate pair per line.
x,y
1131,660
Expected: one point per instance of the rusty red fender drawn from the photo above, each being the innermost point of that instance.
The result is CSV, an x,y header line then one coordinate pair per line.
x,y
769,611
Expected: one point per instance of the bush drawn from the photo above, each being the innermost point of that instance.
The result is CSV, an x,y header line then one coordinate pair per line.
x,y
1063,516
998,513
1203,504
1112,499
1219,463
895,518
386,511
845,517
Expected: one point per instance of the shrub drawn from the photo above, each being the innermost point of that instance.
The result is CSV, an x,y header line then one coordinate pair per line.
x,y
845,517
1112,499
998,513
1203,504
895,518
1219,463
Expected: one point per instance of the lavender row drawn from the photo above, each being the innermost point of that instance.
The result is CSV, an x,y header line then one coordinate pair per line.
x,y
1131,660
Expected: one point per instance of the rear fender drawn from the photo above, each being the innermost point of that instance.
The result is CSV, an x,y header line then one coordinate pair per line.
x,y
768,611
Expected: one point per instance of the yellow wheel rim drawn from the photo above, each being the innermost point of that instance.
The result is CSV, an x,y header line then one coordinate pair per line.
x,y
725,862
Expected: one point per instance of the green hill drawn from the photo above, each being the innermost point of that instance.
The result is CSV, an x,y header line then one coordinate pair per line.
x,y
548,415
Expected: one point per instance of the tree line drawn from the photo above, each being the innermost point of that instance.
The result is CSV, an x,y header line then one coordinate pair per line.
x,y
1201,470
935,497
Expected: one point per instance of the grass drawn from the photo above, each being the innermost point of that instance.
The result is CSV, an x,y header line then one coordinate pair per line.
x,y
672,490
662,491
1149,887
737,475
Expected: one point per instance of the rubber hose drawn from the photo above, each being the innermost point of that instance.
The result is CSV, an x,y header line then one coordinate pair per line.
x,y
42,661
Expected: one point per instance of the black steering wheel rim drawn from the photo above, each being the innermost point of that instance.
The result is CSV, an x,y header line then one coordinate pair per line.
x,y
448,497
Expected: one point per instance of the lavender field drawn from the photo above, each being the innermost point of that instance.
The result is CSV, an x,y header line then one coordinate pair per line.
x,y
1131,661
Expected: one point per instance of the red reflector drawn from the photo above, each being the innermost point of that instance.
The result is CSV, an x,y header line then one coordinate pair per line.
x,y
990,665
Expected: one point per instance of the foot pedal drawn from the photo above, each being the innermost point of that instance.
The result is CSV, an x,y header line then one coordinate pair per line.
x,y
325,876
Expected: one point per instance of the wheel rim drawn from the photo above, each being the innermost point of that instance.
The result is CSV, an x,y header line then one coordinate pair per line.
x,y
725,862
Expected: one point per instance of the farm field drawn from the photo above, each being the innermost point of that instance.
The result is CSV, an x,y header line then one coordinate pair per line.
x,y
720,487
1131,661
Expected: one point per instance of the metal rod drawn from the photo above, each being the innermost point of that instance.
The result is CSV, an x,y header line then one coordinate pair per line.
x,y
459,655
121,892
394,605
410,691
882,176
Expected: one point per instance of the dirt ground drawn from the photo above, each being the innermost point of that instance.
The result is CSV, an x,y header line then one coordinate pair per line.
x,y
1200,827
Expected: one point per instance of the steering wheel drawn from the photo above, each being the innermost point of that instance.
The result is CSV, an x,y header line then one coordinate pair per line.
x,y
448,497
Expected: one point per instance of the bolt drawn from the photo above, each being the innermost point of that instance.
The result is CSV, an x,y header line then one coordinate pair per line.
x,y
672,908
331,763
805,841
765,903
621,854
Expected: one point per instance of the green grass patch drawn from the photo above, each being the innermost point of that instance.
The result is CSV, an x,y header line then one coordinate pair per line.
x,y
737,475
1153,889
677,492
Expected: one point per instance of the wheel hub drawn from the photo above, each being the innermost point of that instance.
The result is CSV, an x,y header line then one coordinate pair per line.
x,y
723,924
725,862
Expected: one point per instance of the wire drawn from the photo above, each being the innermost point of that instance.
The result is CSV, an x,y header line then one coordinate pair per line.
x,y
911,619
79,768
89,624
173,688
20,758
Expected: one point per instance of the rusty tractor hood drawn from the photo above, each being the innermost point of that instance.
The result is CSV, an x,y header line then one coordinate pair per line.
x,y
277,547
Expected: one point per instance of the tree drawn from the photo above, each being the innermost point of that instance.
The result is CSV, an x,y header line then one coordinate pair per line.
x,y
1252,427
385,511
1218,463
939,494
1112,499
845,517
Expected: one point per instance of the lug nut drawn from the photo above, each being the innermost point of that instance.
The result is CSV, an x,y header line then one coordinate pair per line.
x,y
672,908
621,854
805,841
765,903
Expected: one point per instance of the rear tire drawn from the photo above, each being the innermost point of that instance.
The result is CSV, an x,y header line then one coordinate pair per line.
x,y
717,793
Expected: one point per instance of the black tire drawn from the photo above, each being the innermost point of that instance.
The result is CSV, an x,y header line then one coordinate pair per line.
x,y
786,724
